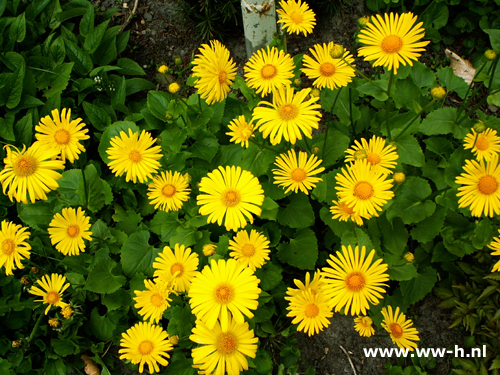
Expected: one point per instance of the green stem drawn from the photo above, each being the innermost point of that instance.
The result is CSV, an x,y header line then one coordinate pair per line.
x,y
426,9
472,110
330,114
467,98
354,231
35,328
307,145
437,192
199,104
261,146
493,70
413,120
387,114
353,126
361,74
44,255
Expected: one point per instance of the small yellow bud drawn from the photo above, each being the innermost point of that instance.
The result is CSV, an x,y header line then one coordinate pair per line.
x,y
54,322
35,270
173,88
177,60
67,311
187,177
17,343
490,55
209,249
169,116
479,126
315,150
163,69
399,177
363,21
315,93
25,280
297,82
174,340
409,257
360,154
438,93
337,51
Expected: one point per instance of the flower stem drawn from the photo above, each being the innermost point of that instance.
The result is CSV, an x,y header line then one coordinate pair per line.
x,y
353,126
361,74
261,146
35,328
467,98
387,114
354,231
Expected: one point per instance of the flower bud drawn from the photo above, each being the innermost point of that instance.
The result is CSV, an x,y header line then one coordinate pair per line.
x,y
297,82
409,257
187,177
174,340
169,116
209,249
35,270
177,61
315,150
315,93
438,93
399,177
67,311
363,21
479,126
25,280
173,88
54,322
337,51
17,343
163,69
490,55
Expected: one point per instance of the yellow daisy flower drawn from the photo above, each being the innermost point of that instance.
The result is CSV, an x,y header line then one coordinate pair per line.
x,y
223,350
250,250
364,189
133,154
68,229
290,115
168,191
392,40
268,69
145,343
480,189
297,173
231,193
296,17
344,212
312,311
313,286
30,171
325,70
60,133
221,287
353,281
241,131
363,325
400,329
382,158
153,301
52,290
216,71
495,246
14,247
181,265
484,145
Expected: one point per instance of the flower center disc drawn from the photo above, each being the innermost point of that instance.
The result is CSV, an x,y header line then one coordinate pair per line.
x,y
230,198
25,166
135,156
482,143
363,190
168,190
52,297
392,44
177,267
373,158
226,343
222,77
327,69
396,330
224,294
296,17
355,282
268,71
298,175
8,246
145,347
73,230
62,136
348,210
487,185
288,112
246,132
366,321
156,300
312,310
360,155
248,250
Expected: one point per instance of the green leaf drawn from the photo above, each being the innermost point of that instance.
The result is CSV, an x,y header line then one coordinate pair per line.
x,y
257,161
369,88
138,255
440,121
130,67
64,347
459,246
181,321
158,103
263,362
87,22
298,213
180,365
164,224
394,234
173,138
11,93
101,326
402,272
334,148
102,280
57,51
61,76
494,39
82,60
269,209
94,189
301,251
452,82
69,187
409,151
483,234
117,300
429,228
107,51
36,215
410,204
23,130
185,236
342,107
422,75
98,117
17,29
417,288
114,131
406,92
134,85
94,37
269,275
205,148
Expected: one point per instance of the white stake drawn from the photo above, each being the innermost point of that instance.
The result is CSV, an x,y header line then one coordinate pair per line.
x,y
259,22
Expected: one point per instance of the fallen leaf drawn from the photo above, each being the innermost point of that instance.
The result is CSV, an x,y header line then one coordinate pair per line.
x,y
462,68
90,366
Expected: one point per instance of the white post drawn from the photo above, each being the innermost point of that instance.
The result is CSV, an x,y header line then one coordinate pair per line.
x,y
259,22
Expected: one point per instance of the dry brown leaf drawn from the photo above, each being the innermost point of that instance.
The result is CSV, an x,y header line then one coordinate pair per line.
x,y
90,366
462,68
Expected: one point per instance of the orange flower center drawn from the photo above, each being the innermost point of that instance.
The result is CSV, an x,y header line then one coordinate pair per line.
x,y
222,77
156,300
226,343
52,297
177,267
268,71
145,347
355,281
348,210
288,112
168,190
230,198
248,250
312,310
327,69
25,166
482,143
62,136
392,44
373,158
224,293
135,156
296,17
363,190
73,230
487,185
298,175
8,246
396,330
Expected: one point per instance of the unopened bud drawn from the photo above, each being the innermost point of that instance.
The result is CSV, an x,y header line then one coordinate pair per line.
x,y
297,82
363,21
315,150
17,343
67,311
409,257
173,88
399,177
174,340
25,280
479,126
35,270
490,55
438,93
54,322
169,116
177,60
209,249
337,51
315,93
163,69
